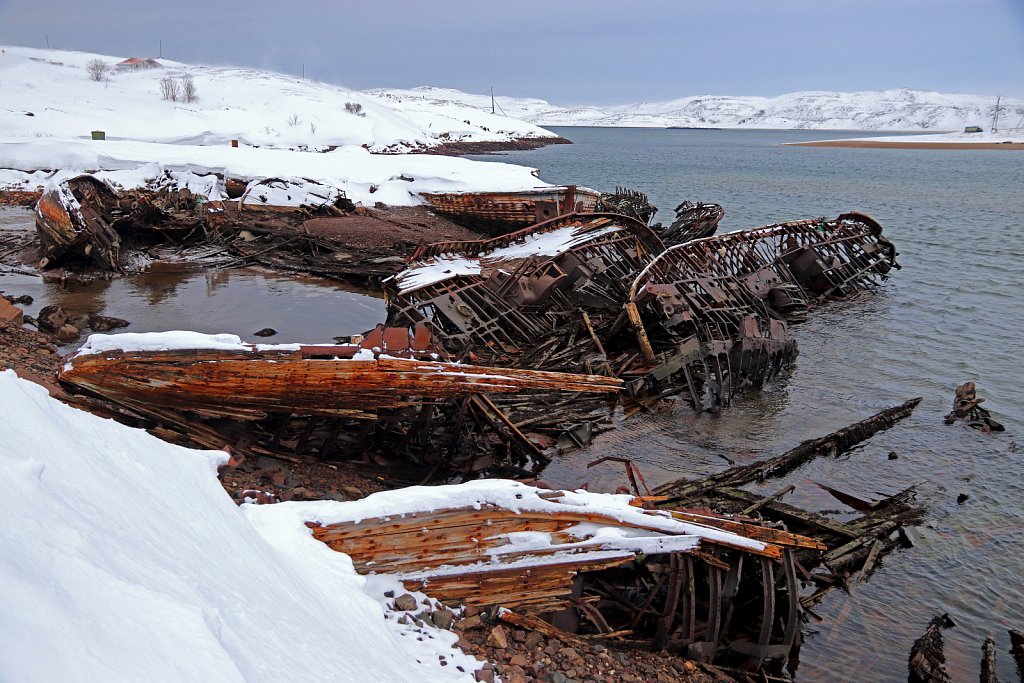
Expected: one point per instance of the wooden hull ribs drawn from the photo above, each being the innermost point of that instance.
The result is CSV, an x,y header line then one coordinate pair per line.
x,y
700,585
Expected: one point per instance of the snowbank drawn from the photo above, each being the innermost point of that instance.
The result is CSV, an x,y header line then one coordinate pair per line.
x,y
121,558
364,177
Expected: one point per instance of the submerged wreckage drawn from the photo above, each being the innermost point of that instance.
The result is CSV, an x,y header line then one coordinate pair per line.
x,y
595,296
600,293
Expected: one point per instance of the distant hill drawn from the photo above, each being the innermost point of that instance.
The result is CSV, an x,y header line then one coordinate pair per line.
x,y
901,109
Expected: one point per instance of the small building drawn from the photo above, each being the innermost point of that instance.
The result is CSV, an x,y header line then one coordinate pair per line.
x,y
972,129
138,64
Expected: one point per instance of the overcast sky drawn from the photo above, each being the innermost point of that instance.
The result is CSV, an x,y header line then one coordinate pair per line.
x,y
564,51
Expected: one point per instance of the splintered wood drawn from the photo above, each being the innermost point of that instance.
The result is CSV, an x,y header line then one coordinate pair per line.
x,y
653,578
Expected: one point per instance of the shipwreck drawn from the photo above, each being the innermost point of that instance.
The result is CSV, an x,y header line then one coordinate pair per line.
x,y
384,394
599,566
599,293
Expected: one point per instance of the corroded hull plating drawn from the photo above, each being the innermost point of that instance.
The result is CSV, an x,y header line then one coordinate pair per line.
x,y
496,213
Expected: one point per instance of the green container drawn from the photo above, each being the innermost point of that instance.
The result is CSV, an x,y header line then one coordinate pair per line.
x,y
99,135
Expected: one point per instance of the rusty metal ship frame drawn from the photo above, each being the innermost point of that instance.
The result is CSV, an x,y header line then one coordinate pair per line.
x,y
387,397
707,318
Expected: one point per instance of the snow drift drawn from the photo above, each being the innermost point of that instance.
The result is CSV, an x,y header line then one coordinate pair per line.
x,y
122,558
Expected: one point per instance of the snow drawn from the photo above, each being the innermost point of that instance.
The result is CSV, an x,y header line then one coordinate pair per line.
x,y
505,493
171,341
255,107
364,177
988,138
122,558
550,243
290,129
899,109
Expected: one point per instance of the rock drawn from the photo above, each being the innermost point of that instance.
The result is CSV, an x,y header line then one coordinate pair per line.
x,y
533,640
10,313
519,660
555,677
105,323
265,332
893,455
962,498
51,318
442,618
470,623
485,675
405,603
352,493
68,333
514,675
23,300
498,638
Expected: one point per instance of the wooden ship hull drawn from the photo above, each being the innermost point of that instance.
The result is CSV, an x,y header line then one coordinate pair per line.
x,y
687,582
384,396
497,213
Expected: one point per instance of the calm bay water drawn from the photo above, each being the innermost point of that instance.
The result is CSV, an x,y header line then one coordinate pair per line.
x,y
954,313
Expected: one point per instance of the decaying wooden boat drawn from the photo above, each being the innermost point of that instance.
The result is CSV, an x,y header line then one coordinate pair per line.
x,y
597,565
496,213
384,395
71,221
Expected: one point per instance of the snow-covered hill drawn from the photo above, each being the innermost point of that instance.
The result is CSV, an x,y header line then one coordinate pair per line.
x,y
48,93
901,109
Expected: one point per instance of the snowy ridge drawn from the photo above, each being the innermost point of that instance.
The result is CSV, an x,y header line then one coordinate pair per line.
x,y
901,109
48,93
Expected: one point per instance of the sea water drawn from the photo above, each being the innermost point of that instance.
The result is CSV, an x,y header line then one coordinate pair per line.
x,y
954,313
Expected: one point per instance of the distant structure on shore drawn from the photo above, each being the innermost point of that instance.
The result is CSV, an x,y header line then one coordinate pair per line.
x,y
138,64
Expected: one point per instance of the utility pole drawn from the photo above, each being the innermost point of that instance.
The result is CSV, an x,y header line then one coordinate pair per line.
x,y
303,72
492,99
47,41
161,48
995,117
